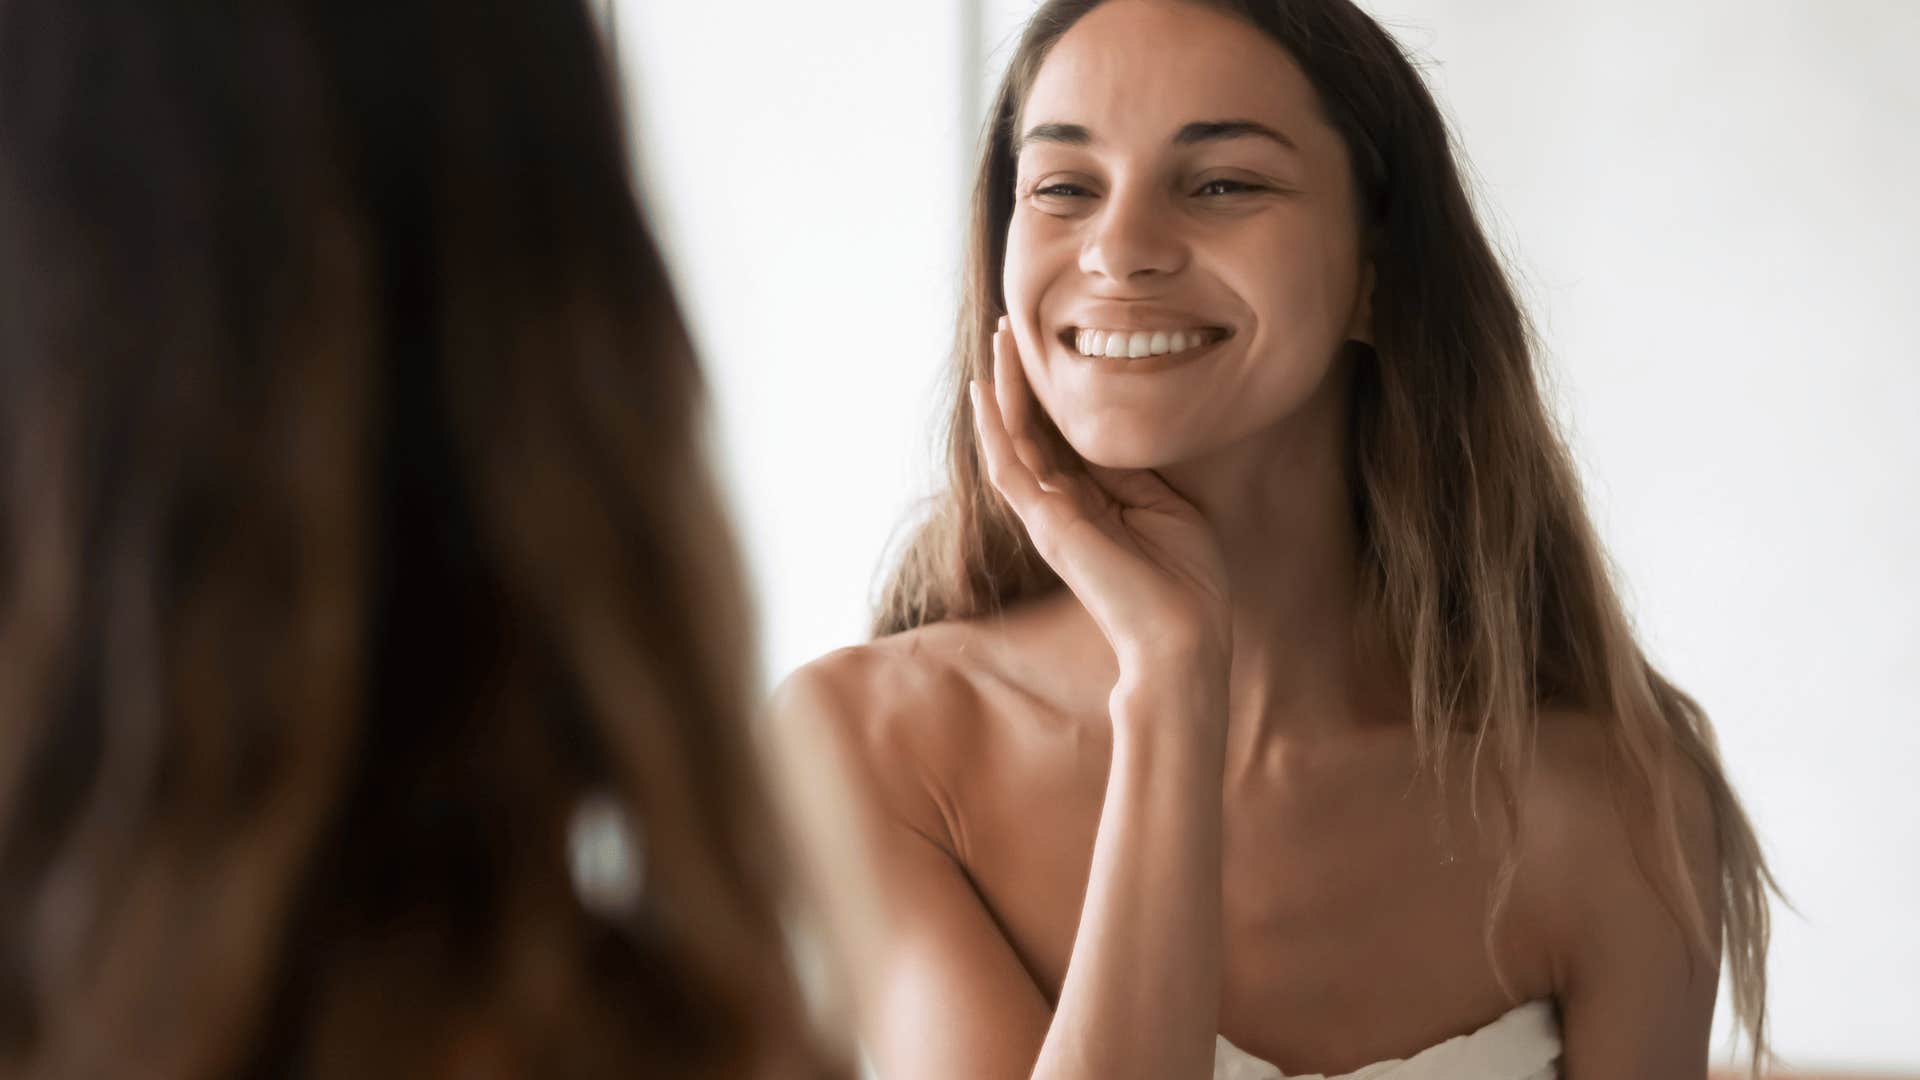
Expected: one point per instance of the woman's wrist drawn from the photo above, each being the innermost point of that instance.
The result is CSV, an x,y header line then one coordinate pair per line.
x,y
1173,652
1184,693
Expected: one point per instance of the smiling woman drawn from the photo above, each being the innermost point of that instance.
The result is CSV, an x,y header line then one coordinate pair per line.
x,y
1239,228
1256,698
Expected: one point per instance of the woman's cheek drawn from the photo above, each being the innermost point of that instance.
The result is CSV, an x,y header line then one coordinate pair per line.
x,y
1015,278
1024,292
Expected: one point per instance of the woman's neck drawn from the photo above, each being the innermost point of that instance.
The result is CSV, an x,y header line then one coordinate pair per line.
x,y
1282,505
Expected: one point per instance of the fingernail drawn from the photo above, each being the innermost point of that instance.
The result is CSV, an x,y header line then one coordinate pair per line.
x,y
1005,321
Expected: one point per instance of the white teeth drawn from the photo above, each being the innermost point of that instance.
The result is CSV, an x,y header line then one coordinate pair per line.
x,y
1134,344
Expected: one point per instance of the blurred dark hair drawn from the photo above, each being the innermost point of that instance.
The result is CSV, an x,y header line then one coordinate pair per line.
x,y
353,531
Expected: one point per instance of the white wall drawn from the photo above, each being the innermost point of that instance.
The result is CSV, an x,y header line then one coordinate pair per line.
x,y
1711,203
1708,202
803,162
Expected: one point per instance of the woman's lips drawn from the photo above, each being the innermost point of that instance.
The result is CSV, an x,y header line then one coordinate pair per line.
x,y
1136,344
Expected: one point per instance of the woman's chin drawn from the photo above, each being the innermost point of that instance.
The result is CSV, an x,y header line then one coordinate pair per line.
x,y
1134,450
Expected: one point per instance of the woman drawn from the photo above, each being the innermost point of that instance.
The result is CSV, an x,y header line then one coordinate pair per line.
x,y
1255,698
371,650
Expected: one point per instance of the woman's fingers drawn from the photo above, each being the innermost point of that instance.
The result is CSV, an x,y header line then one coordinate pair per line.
x,y
1015,399
1077,520
1136,553
1141,488
1008,474
1067,537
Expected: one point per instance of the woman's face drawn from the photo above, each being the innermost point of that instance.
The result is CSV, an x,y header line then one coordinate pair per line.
x,y
1179,196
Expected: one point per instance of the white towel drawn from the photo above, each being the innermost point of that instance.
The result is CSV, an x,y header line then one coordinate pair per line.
x,y
1522,1045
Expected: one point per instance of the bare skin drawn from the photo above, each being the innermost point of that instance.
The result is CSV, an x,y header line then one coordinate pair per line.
x,y
1352,918
1179,797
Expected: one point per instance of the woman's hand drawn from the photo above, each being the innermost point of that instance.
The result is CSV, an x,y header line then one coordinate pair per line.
x,y
1140,558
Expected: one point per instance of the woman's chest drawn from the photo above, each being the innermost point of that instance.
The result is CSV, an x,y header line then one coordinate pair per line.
x,y
1354,911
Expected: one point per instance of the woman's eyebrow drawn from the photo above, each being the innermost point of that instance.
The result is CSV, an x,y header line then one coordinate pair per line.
x,y
1219,130
1068,134
1202,131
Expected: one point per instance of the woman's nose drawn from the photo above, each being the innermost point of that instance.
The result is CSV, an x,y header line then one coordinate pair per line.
x,y
1134,235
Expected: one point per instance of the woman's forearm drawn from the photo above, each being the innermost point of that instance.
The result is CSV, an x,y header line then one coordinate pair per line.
x,y
1141,995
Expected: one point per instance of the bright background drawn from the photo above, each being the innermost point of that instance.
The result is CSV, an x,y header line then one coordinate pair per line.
x,y
1710,207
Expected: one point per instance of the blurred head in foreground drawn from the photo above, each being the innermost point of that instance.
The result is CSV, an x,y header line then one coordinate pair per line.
x,y
372,667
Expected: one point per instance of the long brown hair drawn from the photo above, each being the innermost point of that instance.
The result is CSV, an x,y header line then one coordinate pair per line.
x,y
354,534
1480,562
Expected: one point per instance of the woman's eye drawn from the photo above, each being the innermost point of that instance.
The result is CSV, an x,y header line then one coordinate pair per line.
x,y
1066,191
1226,187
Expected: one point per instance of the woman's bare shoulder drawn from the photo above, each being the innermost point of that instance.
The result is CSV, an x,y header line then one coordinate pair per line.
x,y
1595,853
917,684
904,716
1583,797
947,685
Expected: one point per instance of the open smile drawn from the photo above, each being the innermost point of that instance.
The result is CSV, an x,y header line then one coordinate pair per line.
x,y
1129,344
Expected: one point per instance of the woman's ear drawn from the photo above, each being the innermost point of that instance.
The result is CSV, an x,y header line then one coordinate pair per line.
x,y
1360,329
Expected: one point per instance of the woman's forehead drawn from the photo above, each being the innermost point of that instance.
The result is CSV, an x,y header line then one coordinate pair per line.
x,y
1134,70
